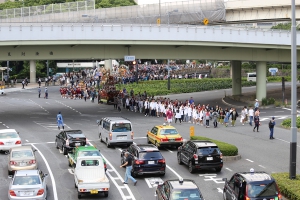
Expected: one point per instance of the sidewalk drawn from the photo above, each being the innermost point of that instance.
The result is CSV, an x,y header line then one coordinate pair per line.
x,y
18,87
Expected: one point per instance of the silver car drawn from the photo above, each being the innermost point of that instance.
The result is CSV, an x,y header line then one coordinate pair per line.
x,y
9,138
28,184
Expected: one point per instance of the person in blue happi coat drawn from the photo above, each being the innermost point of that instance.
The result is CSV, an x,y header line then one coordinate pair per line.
x,y
60,121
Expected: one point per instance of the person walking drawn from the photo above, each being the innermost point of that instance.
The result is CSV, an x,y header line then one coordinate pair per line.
x,y
256,105
46,93
251,115
39,91
169,116
256,121
60,121
207,118
215,117
226,118
234,115
23,84
128,164
272,123
178,115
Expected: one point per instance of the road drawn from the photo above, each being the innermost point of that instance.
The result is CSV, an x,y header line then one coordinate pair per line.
x,y
35,119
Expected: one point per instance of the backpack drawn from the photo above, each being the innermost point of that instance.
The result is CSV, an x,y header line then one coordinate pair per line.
x,y
271,125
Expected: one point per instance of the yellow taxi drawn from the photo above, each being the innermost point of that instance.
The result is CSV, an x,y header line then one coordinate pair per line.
x,y
163,135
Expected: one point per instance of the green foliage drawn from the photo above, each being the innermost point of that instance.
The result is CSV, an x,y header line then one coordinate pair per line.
x,y
278,78
289,188
277,104
178,86
267,101
284,26
287,123
225,148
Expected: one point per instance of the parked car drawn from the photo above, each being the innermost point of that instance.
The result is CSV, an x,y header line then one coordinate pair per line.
x,y
178,189
199,154
252,186
67,140
163,135
147,159
28,184
9,138
21,158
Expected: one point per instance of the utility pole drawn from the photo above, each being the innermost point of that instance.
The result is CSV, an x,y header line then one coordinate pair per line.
x,y
169,81
47,68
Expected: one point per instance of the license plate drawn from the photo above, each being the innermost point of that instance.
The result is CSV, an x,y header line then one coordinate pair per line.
x,y
26,193
94,191
171,140
151,162
8,143
77,144
121,137
22,164
209,158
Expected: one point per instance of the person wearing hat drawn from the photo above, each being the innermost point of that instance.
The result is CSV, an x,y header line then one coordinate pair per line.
x,y
256,105
60,121
46,93
271,127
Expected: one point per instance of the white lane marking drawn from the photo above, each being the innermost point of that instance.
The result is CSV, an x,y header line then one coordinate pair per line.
x,y
71,171
228,169
139,138
220,190
120,150
262,166
290,109
148,182
212,177
50,142
249,160
279,111
174,171
284,141
26,140
169,150
49,171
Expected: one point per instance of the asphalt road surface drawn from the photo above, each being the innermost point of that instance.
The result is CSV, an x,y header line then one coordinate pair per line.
x,y
35,119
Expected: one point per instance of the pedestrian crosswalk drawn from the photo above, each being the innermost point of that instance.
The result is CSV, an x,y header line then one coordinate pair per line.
x,y
48,125
281,117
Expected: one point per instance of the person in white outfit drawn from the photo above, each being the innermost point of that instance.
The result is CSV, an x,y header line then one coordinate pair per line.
x,y
178,115
189,113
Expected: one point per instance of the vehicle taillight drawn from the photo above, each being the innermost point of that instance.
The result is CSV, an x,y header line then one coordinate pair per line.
x,y
86,141
279,195
12,163
164,139
40,192
105,189
82,190
1,143
139,162
161,161
110,136
195,156
179,139
132,135
67,142
32,162
18,142
12,193
246,196
221,155
105,166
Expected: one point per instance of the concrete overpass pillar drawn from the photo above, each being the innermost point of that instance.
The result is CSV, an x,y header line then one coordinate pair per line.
x,y
236,70
261,85
108,65
32,71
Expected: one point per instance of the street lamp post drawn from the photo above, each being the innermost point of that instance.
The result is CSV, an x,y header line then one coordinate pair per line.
x,y
169,82
293,143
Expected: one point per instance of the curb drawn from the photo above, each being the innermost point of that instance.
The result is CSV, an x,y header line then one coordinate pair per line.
x,y
234,106
231,158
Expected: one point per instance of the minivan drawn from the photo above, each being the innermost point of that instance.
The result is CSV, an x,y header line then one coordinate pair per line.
x,y
252,77
115,131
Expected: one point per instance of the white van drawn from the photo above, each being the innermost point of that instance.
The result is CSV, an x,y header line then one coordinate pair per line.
x,y
252,77
115,131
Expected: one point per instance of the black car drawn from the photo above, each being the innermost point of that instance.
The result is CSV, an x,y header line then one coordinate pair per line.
x,y
178,189
147,159
198,154
66,140
251,186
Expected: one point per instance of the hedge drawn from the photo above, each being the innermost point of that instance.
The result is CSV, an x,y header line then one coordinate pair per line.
x,y
287,123
159,87
288,188
225,148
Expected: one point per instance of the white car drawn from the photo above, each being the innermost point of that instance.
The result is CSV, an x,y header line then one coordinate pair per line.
x,y
2,92
9,138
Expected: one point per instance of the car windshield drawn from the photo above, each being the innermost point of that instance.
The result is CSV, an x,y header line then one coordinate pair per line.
x,y
9,135
168,132
150,155
208,150
21,154
262,189
121,127
89,163
186,194
89,153
27,180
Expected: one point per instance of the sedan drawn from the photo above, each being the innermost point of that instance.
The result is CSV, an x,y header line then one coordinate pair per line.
x,y
9,138
28,184
21,158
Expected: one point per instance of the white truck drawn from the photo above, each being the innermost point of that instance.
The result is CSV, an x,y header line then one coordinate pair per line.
x,y
90,177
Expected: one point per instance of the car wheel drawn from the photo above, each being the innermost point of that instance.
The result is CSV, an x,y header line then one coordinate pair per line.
x,y
162,175
64,150
156,144
224,195
100,137
179,159
148,141
79,195
107,144
56,144
122,161
218,169
133,174
75,185
191,167
106,194
10,173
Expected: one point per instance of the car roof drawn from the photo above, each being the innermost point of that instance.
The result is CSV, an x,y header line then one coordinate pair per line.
x,y
256,176
165,127
7,130
187,184
116,119
86,148
147,147
21,148
203,143
26,172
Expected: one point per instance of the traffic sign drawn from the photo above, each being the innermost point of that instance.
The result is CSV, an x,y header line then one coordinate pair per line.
x,y
129,58
158,21
192,131
3,68
273,71
205,21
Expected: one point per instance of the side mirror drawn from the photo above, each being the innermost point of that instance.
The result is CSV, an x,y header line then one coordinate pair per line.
x,y
98,122
45,175
18,133
10,176
34,150
224,179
